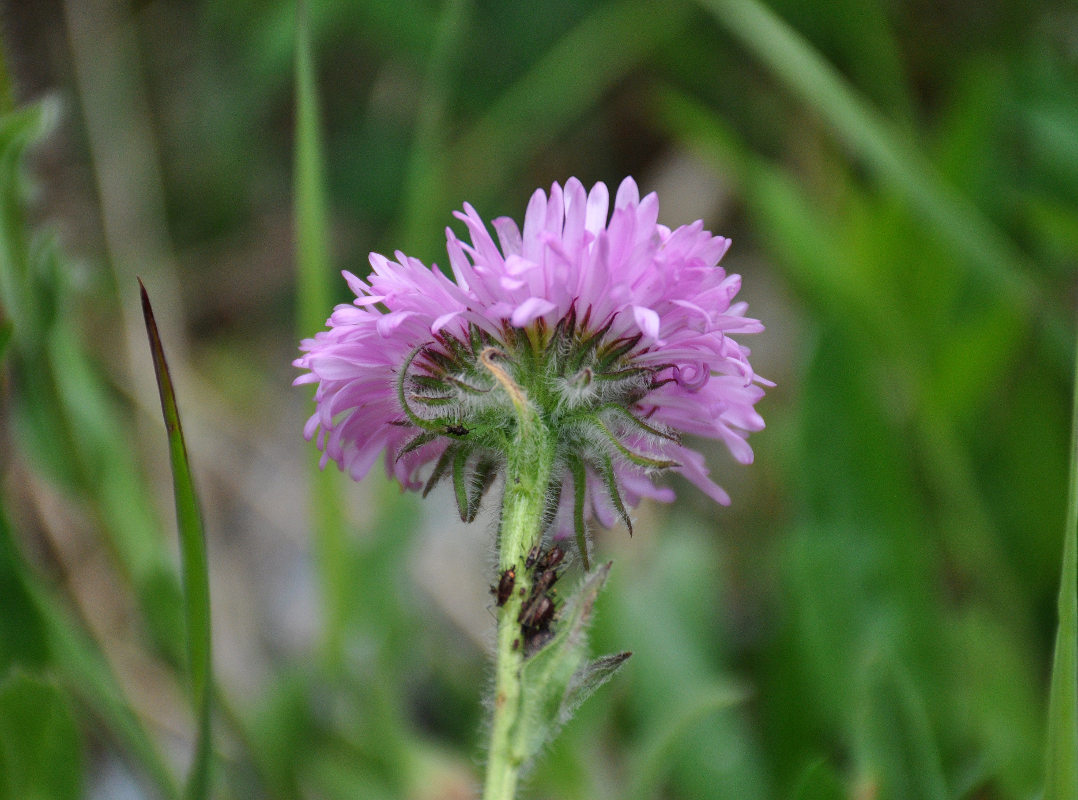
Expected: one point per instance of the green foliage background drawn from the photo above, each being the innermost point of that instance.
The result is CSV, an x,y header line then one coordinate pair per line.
x,y
873,617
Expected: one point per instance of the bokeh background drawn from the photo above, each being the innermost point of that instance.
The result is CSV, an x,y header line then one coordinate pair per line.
x,y
872,617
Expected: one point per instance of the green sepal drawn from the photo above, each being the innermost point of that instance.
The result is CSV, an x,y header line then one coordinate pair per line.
x,y
576,467
456,347
606,467
553,500
416,442
467,388
625,414
429,382
460,481
559,677
636,458
440,467
617,349
482,478
476,340
434,402
415,419
438,362
589,345
565,328
626,374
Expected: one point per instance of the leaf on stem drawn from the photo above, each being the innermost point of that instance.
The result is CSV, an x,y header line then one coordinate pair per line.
x,y
558,678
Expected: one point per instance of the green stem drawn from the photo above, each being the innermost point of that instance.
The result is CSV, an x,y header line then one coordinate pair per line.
x,y
531,460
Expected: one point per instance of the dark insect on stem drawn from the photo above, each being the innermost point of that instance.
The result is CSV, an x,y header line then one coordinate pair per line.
x,y
504,587
457,430
546,579
536,614
555,555
539,607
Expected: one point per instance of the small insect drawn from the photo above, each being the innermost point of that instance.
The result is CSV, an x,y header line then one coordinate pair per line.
x,y
543,583
555,555
456,430
537,614
533,557
505,586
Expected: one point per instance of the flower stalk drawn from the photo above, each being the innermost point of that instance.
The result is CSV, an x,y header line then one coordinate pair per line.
x,y
528,472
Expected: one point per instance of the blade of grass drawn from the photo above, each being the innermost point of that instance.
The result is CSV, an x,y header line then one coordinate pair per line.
x,y
1061,752
196,585
66,419
57,642
561,86
7,93
5,336
313,295
39,739
425,183
895,743
893,157
654,754
813,254
92,680
310,214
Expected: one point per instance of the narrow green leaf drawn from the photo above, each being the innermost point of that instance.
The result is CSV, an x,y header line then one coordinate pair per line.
x,y
588,678
565,82
311,216
819,85
18,130
819,782
625,415
196,585
1061,752
40,751
898,751
22,629
5,337
652,760
7,92
313,301
89,676
425,181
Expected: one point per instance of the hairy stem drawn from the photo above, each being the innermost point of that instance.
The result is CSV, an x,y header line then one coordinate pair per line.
x,y
531,458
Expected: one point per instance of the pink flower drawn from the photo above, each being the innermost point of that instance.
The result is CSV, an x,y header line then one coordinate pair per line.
x,y
633,324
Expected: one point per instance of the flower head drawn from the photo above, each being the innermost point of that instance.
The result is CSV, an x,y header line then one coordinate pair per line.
x,y
615,328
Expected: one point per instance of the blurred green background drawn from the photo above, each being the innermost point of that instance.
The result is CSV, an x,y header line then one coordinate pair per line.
x,y
874,615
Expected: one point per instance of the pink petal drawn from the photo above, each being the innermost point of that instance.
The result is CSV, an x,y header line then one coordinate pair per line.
x,y
530,309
